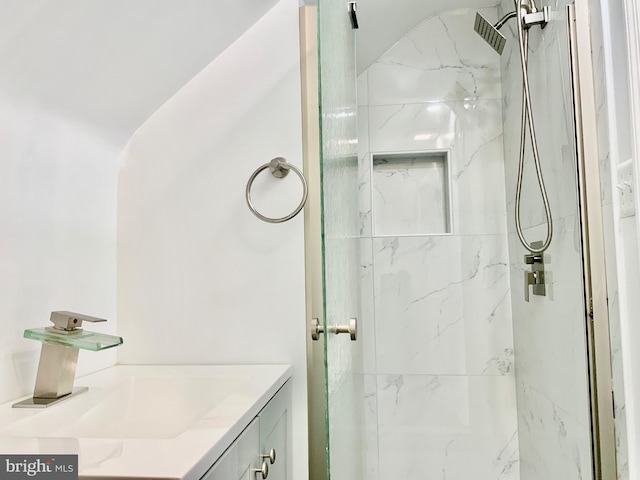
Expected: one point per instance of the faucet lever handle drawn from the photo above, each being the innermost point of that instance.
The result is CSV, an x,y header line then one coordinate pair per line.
x,y
71,321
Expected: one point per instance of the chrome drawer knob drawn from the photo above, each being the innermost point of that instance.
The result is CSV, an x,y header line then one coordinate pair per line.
x,y
271,456
263,470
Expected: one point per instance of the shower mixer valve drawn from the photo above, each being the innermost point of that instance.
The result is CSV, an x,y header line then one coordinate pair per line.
x,y
534,278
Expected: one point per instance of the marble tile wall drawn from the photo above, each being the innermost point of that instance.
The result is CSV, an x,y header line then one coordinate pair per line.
x,y
549,331
439,360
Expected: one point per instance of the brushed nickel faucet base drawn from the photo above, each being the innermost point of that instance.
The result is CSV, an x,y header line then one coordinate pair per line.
x,y
35,402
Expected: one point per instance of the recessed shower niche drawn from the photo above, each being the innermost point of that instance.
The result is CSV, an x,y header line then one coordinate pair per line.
x,y
411,193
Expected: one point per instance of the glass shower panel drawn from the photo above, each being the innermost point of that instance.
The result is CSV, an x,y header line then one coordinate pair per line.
x,y
550,332
454,374
340,242
444,384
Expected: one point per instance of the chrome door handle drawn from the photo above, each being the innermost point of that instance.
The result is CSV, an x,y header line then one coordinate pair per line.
x,y
316,329
351,329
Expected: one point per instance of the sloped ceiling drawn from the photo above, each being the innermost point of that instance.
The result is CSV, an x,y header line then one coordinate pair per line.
x,y
384,22
111,63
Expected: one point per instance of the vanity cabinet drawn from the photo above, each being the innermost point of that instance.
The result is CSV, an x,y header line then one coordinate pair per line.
x,y
267,439
275,434
240,457
212,422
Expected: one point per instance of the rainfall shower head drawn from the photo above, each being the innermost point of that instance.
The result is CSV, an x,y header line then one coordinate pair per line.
x,y
490,33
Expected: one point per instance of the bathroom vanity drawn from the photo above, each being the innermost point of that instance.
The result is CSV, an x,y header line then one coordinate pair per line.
x,y
176,422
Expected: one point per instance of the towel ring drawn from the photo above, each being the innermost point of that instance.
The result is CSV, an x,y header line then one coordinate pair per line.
x,y
279,168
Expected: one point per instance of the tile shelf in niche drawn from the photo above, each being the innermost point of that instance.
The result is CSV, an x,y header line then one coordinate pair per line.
x,y
411,193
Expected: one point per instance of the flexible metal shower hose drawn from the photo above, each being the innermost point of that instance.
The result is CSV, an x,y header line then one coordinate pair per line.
x,y
527,118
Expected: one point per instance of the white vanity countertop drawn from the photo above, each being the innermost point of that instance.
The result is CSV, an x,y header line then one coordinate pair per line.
x,y
164,422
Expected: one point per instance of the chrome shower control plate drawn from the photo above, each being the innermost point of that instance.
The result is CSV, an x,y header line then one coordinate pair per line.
x,y
534,278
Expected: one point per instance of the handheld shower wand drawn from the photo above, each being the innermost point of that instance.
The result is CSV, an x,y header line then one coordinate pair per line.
x,y
528,16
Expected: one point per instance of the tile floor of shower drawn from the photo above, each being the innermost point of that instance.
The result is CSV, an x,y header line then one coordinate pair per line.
x,y
441,394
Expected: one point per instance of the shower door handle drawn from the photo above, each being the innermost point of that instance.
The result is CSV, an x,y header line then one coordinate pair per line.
x,y
351,329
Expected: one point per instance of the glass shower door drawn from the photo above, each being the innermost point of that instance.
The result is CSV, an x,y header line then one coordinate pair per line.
x,y
465,377
340,242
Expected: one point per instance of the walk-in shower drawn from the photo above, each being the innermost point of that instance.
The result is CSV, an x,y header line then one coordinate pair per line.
x,y
454,375
528,15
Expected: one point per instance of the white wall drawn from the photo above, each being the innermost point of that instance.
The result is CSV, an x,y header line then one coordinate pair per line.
x,y
623,266
112,63
77,79
58,242
200,279
611,90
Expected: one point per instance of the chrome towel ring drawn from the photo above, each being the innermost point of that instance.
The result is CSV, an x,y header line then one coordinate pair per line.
x,y
279,168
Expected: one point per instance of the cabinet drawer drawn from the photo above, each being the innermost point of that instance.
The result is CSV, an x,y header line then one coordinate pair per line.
x,y
239,457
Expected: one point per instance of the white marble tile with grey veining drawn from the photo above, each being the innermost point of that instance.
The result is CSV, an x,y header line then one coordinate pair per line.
x,y
549,335
615,334
478,170
470,134
442,305
602,119
441,59
551,100
412,127
552,444
348,427
366,320
453,427
372,466
364,172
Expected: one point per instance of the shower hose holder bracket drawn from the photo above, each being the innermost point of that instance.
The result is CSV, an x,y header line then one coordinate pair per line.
x,y
541,17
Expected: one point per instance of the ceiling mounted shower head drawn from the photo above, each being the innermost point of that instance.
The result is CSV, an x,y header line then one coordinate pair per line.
x,y
490,33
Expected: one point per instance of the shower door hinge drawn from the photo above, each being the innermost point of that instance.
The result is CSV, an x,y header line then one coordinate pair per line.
x,y
352,8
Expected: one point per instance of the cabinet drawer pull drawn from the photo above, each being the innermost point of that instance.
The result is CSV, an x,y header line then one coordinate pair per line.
x,y
271,456
264,470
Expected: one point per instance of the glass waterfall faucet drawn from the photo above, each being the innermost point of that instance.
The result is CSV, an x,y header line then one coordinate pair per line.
x,y
59,356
